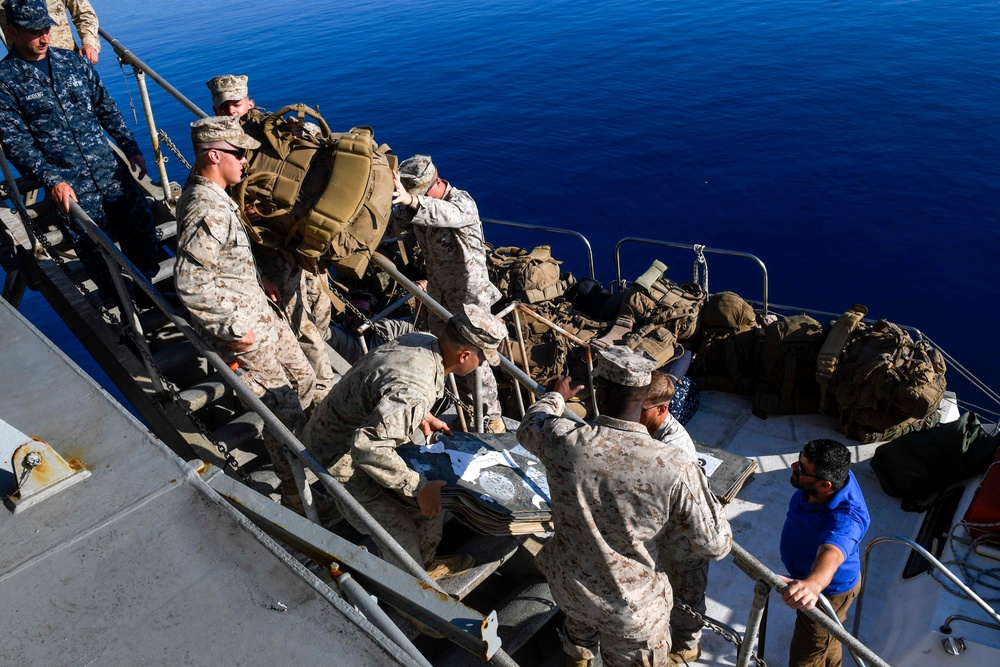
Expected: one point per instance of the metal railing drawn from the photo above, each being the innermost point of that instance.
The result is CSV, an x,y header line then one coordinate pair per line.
x,y
118,262
551,230
700,260
935,563
759,573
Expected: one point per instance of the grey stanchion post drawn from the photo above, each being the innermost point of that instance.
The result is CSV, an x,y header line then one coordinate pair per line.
x,y
147,109
760,593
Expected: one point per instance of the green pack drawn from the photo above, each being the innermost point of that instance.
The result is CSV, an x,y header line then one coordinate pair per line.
x,y
655,301
727,356
324,201
787,384
887,384
530,277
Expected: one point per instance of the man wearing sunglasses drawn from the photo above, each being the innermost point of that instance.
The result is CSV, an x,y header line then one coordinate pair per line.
x,y
827,519
217,281
298,293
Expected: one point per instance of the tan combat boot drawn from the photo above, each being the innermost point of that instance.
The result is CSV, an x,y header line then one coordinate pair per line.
x,y
496,426
448,566
685,656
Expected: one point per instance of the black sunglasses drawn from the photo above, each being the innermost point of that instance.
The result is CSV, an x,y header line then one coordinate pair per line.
x,y
238,153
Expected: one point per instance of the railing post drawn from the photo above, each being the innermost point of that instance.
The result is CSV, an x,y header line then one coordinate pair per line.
x,y
760,592
147,108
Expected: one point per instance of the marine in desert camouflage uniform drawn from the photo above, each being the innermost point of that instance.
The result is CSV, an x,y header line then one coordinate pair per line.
x,y
84,18
445,222
217,281
54,112
614,492
299,293
685,567
378,405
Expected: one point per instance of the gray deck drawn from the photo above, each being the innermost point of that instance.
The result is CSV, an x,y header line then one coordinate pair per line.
x,y
142,561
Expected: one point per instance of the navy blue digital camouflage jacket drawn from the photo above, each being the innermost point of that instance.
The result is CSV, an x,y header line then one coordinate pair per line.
x,y
55,133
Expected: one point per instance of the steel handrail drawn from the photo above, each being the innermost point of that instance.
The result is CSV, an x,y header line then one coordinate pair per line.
x,y
938,565
757,571
271,422
127,56
694,248
552,230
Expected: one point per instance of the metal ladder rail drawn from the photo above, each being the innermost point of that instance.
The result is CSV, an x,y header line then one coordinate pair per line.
x,y
552,230
381,537
761,574
938,565
699,250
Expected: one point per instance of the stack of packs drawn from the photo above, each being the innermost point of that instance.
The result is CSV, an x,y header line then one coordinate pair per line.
x,y
495,485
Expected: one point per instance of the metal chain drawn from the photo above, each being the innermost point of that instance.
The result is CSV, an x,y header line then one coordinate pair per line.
x,y
113,320
168,142
723,632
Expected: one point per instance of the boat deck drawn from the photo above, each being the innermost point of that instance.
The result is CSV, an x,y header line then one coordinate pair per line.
x,y
142,558
896,628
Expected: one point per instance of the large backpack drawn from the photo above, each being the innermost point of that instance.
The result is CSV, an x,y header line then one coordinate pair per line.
x,y
655,301
530,277
886,384
787,384
323,201
727,356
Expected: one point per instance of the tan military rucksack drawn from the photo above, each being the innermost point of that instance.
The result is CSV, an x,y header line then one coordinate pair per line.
x,y
529,277
324,201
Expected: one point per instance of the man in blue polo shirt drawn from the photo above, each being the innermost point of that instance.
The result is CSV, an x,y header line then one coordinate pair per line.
x,y
827,519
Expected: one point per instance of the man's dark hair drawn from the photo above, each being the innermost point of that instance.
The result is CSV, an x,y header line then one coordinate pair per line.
x,y
831,459
361,295
456,339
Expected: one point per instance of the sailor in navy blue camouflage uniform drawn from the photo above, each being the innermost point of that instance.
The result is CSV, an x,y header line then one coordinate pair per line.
x,y
54,112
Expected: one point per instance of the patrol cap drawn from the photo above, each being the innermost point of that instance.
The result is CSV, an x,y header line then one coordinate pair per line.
x,y
30,14
478,326
221,128
621,365
228,88
417,173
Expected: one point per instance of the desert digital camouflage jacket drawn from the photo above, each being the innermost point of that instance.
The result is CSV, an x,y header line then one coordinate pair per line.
x,y
375,408
451,235
613,493
55,131
215,272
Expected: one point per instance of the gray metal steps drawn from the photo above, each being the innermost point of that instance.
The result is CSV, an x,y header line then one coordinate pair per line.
x,y
207,391
174,356
520,616
240,431
490,553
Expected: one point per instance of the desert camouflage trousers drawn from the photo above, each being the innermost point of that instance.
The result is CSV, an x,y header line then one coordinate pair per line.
x,y
308,309
689,585
122,213
277,372
417,534
583,639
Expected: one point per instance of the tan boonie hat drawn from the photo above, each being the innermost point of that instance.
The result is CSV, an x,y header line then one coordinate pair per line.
x,y
221,128
478,326
228,88
417,173
624,366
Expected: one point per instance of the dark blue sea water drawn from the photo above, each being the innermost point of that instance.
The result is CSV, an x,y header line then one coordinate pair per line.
x,y
853,146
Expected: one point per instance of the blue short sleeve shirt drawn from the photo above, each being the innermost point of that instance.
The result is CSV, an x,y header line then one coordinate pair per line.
x,y
841,521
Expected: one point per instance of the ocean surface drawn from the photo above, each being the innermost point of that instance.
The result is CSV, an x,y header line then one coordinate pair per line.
x,y
853,146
